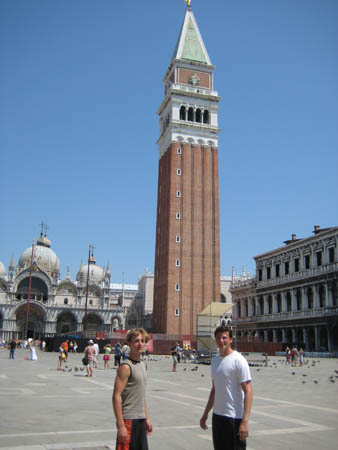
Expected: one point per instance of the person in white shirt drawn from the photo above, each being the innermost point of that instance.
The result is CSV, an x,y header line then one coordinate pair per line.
x,y
230,395
97,351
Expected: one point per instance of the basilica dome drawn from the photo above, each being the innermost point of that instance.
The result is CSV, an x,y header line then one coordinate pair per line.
x,y
44,257
96,273
2,270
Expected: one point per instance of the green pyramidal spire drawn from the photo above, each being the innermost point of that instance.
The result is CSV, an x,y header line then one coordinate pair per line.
x,y
190,44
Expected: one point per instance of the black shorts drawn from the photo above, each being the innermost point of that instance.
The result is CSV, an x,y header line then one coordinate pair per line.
x,y
225,433
137,439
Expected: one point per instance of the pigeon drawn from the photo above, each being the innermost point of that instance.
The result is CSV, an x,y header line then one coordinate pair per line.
x,y
332,381
304,382
315,381
258,370
69,370
202,375
293,373
304,375
76,369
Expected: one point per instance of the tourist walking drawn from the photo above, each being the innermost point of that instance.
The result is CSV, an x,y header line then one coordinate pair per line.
x,y
12,347
129,403
106,356
230,395
89,355
117,356
97,351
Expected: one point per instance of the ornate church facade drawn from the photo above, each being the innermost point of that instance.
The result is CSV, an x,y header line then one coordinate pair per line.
x,y
59,305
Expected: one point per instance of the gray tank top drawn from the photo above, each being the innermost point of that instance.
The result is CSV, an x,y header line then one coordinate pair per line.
x,y
133,394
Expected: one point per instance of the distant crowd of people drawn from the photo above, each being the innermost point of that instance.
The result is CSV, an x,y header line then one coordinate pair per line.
x,y
294,356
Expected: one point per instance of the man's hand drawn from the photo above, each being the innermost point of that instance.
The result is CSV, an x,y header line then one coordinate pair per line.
x,y
149,426
243,431
203,421
122,434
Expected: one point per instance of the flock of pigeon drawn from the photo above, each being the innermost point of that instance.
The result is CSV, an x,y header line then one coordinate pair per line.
x,y
331,379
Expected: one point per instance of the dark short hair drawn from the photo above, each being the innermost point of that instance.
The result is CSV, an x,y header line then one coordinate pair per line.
x,y
223,329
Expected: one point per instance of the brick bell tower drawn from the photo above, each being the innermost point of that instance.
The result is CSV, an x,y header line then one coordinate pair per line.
x,y
187,254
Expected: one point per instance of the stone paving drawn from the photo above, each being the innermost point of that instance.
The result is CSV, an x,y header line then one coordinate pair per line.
x,y
43,409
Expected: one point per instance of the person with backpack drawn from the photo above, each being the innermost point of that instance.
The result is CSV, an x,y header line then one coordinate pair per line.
x,y
117,356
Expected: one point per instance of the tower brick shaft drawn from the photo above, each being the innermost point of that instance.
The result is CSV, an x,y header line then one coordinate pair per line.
x,y
187,255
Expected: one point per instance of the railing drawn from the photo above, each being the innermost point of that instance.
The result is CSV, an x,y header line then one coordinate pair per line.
x,y
196,89
315,271
316,312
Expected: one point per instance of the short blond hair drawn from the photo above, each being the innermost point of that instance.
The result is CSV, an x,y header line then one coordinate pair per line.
x,y
136,332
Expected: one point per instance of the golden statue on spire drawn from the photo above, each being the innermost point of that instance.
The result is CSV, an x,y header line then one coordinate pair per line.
x,y
188,2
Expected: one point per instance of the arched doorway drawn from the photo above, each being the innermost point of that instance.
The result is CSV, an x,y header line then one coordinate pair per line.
x,y
39,290
93,323
36,321
66,322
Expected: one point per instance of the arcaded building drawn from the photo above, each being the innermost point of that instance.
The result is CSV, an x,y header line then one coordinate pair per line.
x,y
187,254
294,296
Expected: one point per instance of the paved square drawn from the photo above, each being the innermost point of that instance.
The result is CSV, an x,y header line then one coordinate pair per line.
x,y
43,409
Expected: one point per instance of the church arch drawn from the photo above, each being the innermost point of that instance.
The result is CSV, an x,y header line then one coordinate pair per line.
x,y
66,322
36,320
93,322
39,290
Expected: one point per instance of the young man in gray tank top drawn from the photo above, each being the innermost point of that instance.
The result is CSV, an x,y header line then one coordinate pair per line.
x,y
130,409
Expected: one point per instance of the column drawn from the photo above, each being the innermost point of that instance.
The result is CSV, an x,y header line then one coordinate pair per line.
x,y
284,335
306,338
316,296
274,303
293,300
284,308
274,333
265,335
265,304
326,296
317,339
294,335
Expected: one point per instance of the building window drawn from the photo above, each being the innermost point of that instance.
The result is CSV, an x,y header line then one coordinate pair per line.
x,y
178,216
279,303
319,258
286,267
277,270
288,302
260,275
178,239
177,287
178,263
178,171
177,312
65,301
178,194
268,273
296,265
91,302
331,255
307,261
179,151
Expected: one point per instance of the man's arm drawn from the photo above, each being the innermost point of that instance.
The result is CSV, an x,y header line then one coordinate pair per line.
x,y
121,381
148,423
243,431
208,407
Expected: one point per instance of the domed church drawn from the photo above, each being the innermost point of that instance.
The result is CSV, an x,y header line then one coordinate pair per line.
x,y
59,305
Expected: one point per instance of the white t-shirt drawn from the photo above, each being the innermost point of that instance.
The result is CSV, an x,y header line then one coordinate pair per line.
x,y
96,348
228,373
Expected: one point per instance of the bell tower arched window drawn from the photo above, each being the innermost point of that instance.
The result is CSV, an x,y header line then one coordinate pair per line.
x,y
190,114
198,115
206,117
182,113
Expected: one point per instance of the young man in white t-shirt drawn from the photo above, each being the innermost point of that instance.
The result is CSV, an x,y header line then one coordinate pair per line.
x,y
230,395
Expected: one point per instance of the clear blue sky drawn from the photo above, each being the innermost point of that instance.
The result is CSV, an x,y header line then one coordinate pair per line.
x,y
80,84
